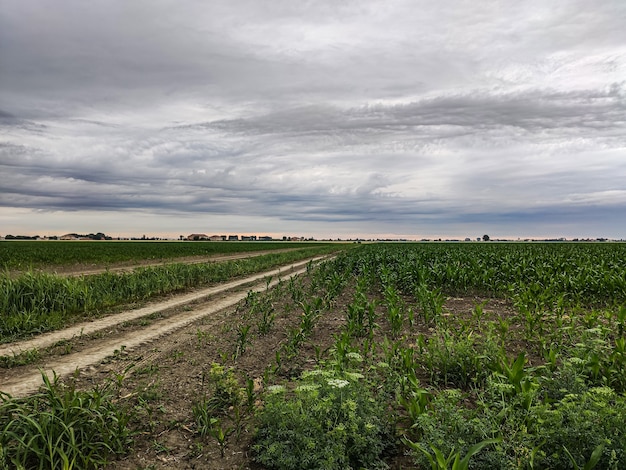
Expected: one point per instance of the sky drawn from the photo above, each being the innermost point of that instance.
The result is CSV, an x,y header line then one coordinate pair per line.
x,y
327,118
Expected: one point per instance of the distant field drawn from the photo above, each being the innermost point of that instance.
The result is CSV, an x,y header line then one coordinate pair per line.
x,y
22,255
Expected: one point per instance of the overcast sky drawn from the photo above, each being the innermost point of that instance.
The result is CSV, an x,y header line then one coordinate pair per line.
x,y
326,118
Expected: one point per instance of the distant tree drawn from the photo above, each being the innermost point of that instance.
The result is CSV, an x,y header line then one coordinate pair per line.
x,y
485,238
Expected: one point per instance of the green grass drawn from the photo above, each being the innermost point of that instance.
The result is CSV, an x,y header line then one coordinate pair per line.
x,y
23,255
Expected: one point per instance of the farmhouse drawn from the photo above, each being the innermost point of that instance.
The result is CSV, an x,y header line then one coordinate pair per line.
x,y
69,236
197,236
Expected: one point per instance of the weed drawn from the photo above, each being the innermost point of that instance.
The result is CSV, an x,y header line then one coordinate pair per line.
x,y
224,391
160,448
203,337
62,425
23,358
331,421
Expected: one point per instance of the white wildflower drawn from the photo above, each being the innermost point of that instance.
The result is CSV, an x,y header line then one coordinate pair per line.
x,y
338,383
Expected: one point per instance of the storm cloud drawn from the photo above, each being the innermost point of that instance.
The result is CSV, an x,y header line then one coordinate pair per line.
x,y
349,118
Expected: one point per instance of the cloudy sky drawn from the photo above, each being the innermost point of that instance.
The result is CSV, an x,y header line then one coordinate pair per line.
x,y
326,118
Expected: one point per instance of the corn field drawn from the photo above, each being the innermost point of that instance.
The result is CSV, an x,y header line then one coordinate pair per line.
x,y
426,355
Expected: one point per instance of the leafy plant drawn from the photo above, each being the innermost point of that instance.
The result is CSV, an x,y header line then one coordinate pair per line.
x,y
224,390
242,340
62,427
430,301
589,464
331,420
454,460
210,425
395,309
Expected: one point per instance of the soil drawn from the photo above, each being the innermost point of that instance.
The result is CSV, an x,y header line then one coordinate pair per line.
x,y
161,359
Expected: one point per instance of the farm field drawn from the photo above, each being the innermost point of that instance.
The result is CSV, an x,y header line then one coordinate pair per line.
x,y
75,256
34,302
86,343
387,356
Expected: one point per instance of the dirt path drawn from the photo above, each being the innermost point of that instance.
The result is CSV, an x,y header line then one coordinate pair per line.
x,y
25,380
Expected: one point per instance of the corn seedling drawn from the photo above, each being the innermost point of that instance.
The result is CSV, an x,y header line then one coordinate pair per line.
x,y
453,461
241,340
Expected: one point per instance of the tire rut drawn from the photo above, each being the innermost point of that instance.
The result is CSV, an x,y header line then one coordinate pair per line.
x,y
29,379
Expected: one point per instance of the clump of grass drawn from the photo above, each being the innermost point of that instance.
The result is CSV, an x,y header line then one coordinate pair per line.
x,y
62,427
20,359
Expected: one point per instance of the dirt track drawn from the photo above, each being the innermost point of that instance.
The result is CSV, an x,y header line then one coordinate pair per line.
x,y
24,380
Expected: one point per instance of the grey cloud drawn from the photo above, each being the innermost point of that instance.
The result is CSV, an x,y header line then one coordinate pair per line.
x,y
5,116
352,114
534,110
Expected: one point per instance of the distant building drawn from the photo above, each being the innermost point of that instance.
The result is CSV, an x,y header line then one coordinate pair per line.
x,y
217,238
233,238
197,237
69,236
